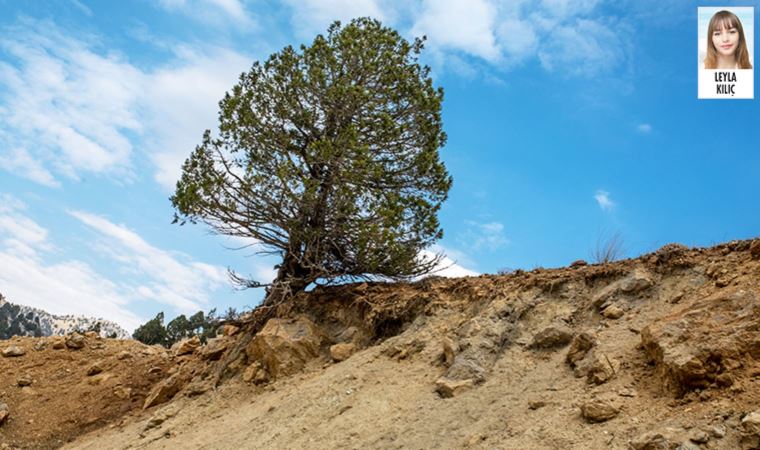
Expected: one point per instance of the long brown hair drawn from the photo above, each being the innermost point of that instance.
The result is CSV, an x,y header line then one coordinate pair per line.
x,y
726,20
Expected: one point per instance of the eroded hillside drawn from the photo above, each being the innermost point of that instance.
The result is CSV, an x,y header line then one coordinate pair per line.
x,y
658,352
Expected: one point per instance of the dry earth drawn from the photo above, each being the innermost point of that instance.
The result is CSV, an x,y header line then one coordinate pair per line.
x,y
60,387
658,352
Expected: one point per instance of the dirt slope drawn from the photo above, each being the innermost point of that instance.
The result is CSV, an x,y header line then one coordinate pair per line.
x,y
654,353
60,388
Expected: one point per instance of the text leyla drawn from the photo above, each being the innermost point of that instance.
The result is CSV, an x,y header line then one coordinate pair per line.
x,y
722,80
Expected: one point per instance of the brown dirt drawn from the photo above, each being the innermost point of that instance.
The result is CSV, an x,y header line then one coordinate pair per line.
x,y
62,400
682,361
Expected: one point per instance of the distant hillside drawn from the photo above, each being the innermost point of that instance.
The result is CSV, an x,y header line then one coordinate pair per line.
x,y
18,320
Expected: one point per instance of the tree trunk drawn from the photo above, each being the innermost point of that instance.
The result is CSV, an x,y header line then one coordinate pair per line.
x,y
291,279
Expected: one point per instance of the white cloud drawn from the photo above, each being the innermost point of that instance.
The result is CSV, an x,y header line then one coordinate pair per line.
x,y
9,203
66,287
174,280
484,236
568,8
69,287
644,128
69,110
264,273
213,12
447,267
19,161
65,108
22,229
603,199
564,36
82,7
310,17
583,47
460,26
517,37
180,102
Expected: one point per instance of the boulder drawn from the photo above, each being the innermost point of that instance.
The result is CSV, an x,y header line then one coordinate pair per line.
x,y
652,441
466,367
186,346
24,380
160,417
255,374
599,411
27,390
165,390
350,334
198,387
122,392
552,337
4,413
229,330
718,431
214,349
13,351
341,352
751,423
613,312
40,345
59,343
447,388
699,437
536,404
124,354
99,378
94,369
284,346
579,347
75,341
602,368
702,344
450,350
636,281
754,249
578,263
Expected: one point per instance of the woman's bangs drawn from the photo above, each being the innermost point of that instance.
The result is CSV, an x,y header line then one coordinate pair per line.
x,y
725,22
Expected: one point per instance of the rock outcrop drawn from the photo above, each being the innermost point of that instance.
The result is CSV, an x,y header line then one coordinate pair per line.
x,y
284,346
704,343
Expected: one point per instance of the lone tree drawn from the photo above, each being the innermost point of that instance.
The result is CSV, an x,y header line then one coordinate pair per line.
x,y
328,157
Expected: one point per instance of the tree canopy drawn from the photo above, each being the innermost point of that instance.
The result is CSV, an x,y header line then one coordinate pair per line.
x,y
204,326
327,156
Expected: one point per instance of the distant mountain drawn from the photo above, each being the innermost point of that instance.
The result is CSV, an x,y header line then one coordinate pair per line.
x,y
18,320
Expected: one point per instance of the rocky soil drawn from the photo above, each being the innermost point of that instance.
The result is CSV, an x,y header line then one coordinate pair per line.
x,y
55,388
658,352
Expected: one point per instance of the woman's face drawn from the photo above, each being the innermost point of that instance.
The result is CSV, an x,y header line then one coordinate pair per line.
x,y
725,40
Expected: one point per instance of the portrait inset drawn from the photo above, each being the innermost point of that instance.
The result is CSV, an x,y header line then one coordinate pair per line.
x,y
725,52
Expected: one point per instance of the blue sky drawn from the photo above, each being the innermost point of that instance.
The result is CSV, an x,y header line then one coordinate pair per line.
x,y
568,122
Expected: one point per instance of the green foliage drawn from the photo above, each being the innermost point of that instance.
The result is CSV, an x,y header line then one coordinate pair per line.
x,y
152,332
327,156
204,326
177,329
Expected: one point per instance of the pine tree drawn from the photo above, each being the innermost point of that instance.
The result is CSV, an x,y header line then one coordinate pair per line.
x,y
328,157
